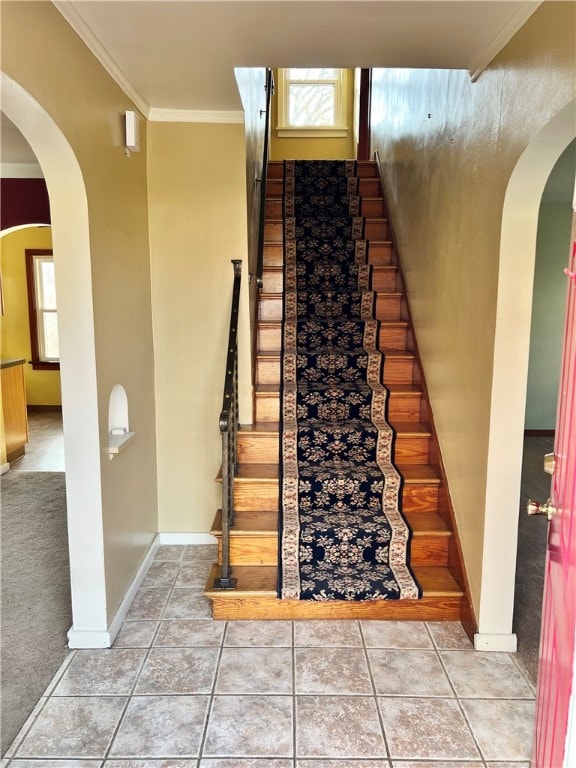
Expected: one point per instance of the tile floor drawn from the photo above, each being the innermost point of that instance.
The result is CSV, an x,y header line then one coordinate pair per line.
x,y
179,690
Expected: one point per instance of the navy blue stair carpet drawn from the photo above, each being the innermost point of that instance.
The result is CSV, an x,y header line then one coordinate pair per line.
x,y
342,534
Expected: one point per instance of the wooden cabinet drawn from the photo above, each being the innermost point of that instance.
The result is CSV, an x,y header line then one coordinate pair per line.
x,y
14,408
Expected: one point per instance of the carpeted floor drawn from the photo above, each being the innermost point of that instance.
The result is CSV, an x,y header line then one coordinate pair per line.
x,y
532,535
35,591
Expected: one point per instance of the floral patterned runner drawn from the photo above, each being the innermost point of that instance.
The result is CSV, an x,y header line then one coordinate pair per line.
x,y
342,535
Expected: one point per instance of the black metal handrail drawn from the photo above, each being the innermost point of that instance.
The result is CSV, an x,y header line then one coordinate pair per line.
x,y
229,423
265,152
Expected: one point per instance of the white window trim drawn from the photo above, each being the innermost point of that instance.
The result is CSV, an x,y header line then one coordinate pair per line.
x,y
338,130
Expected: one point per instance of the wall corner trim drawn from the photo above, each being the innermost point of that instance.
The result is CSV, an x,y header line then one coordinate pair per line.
x,y
159,115
80,638
496,642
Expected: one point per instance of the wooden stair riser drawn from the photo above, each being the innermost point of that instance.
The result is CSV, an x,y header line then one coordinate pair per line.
x,y
415,498
262,549
227,607
364,169
384,279
397,370
374,229
380,253
256,598
370,208
393,336
388,307
401,407
367,187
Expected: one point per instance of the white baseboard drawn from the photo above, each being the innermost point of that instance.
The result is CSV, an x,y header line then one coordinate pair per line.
x,y
186,538
489,642
4,468
80,638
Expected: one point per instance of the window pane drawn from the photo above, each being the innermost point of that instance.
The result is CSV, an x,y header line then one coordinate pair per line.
x,y
312,74
47,287
312,105
50,335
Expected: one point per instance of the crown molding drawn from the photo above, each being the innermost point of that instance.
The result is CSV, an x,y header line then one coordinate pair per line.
x,y
159,115
93,43
502,38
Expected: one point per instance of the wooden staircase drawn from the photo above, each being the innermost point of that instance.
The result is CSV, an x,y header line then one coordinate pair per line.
x,y
435,553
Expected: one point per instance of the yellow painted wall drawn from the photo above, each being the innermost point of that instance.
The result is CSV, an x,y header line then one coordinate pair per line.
x,y
42,53
42,387
448,148
315,148
197,178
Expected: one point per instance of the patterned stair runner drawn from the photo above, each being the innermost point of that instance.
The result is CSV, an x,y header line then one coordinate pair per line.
x,y
343,536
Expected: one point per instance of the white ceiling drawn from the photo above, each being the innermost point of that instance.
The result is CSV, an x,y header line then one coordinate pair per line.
x,y
181,54
178,56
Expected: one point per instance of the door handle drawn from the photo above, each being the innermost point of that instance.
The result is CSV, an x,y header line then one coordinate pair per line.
x,y
537,508
549,463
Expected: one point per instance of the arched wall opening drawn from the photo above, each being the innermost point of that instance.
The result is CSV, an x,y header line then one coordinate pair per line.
x,y
510,375
71,245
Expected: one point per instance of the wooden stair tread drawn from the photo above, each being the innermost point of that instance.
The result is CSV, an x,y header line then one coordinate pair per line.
x,y
261,581
415,474
412,473
249,523
263,427
404,389
409,428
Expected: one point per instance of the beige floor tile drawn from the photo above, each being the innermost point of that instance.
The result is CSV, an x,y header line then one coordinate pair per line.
x,y
259,633
201,552
160,574
449,635
327,763
436,764
418,728
161,725
250,726
136,634
148,603
396,634
502,727
193,574
80,727
255,670
327,633
178,670
332,671
188,604
171,763
338,727
43,763
485,675
235,762
190,632
106,671
408,673
170,552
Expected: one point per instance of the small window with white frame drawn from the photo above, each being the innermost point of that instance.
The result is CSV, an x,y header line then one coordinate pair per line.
x,y
42,309
311,102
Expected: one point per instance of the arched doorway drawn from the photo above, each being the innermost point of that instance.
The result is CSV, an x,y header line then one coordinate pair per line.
x,y
69,213
510,373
